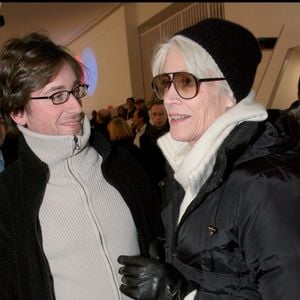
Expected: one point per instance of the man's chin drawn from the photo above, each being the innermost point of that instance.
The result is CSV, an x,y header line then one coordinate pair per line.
x,y
72,131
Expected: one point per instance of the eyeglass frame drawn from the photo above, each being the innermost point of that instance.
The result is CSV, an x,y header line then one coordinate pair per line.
x,y
86,86
198,81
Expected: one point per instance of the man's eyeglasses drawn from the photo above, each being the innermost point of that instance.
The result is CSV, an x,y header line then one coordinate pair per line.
x,y
61,97
186,84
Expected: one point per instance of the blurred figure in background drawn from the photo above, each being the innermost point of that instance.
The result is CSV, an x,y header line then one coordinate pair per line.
x,y
122,112
102,120
130,102
140,104
140,123
120,133
93,118
159,119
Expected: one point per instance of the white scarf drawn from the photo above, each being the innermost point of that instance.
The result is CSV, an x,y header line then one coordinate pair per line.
x,y
194,164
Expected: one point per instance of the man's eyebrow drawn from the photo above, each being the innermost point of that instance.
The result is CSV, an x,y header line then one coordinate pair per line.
x,y
55,89
59,88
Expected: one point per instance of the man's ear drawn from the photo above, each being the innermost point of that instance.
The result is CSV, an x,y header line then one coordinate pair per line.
x,y
19,117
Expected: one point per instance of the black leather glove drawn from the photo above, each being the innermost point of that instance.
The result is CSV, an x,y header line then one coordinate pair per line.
x,y
146,279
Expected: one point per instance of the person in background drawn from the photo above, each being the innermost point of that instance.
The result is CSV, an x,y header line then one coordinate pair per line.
x,y
102,120
140,104
67,209
130,102
93,118
232,189
100,125
153,157
122,112
158,119
140,123
120,133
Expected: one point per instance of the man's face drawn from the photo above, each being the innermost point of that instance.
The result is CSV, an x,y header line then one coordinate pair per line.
x,y
140,105
42,116
136,120
158,115
130,104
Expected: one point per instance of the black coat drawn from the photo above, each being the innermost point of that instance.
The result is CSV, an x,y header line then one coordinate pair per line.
x,y
252,201
24,270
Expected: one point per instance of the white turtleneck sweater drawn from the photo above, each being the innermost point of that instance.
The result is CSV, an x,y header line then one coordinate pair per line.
x,y
85,222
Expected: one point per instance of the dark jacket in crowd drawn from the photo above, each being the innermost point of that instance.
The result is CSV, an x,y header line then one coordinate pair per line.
x,y
153,157
225,241
25,272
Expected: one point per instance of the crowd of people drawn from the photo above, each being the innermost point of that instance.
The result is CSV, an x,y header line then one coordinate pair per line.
x,y
191,195
136,126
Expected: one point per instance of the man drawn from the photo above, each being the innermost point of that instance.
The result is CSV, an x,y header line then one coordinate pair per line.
x,y
140,123
159,119
103,117
130,107
153,157
67,210
140,104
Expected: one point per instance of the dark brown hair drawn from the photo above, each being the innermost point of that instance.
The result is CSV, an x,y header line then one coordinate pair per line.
x,y
28,64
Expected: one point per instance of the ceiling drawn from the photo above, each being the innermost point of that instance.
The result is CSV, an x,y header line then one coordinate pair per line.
x,y
62,21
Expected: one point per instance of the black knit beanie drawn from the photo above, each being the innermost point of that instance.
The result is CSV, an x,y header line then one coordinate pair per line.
x,y
235,50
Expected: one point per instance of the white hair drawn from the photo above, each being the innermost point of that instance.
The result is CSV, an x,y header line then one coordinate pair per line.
x,y
198,61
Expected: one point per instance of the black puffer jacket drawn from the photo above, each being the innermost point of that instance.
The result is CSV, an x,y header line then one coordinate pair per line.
x,y
240,237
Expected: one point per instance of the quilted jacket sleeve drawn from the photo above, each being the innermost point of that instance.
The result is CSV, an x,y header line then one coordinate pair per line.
x,y
269,231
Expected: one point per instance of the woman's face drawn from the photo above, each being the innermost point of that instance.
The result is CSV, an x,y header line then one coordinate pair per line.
x,y
189,119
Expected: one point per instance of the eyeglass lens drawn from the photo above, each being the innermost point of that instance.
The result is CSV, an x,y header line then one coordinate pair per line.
x,y
185,85
63,96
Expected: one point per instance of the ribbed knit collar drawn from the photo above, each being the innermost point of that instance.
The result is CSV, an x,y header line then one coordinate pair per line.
x,y
193,165
56,150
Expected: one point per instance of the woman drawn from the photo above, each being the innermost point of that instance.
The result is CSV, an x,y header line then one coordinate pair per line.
x,y
232,191
121,134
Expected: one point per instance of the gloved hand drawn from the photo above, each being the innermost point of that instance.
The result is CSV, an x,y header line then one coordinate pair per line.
x,y
145,279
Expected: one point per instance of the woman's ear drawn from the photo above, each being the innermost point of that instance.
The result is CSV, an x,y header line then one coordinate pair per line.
x,y
230,99
19,117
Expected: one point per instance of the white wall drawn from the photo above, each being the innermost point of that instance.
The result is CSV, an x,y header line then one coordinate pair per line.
x,y
115,45
287,91
111,44
280,20
146,10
